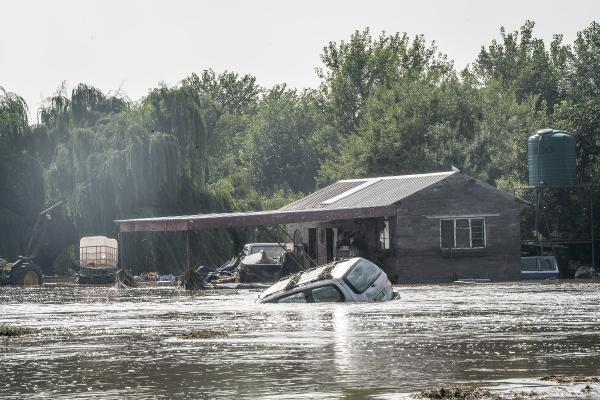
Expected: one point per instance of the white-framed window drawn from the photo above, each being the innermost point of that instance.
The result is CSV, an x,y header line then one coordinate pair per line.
x,y
462,233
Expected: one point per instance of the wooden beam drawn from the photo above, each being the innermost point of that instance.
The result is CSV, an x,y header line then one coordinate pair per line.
x,y
153,226
252,218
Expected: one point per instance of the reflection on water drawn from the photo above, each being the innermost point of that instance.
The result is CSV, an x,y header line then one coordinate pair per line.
x,y
102,342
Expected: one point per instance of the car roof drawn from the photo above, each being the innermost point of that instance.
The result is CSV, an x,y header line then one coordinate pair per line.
x,y
334,270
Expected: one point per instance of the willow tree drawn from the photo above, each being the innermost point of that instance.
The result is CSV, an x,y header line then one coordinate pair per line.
x,y
13,121
227,102
21,182
176,111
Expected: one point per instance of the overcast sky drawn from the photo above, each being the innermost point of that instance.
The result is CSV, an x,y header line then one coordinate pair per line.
x,y
134,45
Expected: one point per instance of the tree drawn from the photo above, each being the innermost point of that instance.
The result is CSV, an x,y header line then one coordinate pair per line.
x,y
14,125
584,64
523,66
176,111
352,69
21,184
225,100
278,149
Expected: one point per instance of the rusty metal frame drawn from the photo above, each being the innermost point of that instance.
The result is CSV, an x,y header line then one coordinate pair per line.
x,y
252,218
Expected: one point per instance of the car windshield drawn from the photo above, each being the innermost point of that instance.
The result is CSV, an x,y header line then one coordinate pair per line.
x,y
270,251
546,264
361,276
529,264
537,264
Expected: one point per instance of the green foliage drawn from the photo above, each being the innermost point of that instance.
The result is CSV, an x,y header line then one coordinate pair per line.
x,y
278,150
21,200
584,64
522,65
175,111
583,120
13,121
352,69
227,102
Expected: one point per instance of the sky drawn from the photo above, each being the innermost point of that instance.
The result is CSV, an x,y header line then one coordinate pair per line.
x,y
132,46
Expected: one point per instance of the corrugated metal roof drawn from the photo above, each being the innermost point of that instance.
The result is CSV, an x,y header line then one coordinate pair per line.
x,y
375,192
313,200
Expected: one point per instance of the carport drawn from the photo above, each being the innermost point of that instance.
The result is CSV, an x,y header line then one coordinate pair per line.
x,y
245,219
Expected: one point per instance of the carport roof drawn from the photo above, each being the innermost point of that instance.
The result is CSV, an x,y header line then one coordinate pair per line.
x,y
251,218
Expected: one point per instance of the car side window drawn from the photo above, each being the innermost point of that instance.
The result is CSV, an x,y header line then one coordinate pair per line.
x,y
361,276
293,298
328,293
380,296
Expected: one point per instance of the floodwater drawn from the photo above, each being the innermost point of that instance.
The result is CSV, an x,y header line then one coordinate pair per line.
x,y
107,343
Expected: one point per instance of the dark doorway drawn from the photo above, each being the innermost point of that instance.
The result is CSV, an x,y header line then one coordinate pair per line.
x,y
312,243
329,243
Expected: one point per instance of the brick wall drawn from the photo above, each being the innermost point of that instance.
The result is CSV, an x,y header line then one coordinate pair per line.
x,y
420,259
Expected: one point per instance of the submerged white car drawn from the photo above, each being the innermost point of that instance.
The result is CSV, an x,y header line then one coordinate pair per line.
x,y
350,280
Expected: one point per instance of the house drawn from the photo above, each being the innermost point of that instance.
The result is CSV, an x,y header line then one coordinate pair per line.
x,y
442,227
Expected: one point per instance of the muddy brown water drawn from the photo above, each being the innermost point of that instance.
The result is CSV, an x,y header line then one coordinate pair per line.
x,y
108,343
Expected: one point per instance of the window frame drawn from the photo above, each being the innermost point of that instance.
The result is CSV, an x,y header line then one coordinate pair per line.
x,y
307,293
470,219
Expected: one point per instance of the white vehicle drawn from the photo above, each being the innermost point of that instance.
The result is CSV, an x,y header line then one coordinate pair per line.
x,y
353,280
271,250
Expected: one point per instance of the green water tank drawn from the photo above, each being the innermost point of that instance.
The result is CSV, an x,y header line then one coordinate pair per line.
x,y
551,158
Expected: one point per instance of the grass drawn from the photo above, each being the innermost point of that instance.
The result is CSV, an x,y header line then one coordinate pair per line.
x,y
458,392
8,330
571,379
203,334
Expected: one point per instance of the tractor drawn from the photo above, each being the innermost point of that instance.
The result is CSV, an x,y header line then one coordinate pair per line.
x,y
24,271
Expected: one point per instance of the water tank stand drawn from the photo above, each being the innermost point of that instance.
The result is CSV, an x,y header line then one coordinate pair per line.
x,y
540,207
538,241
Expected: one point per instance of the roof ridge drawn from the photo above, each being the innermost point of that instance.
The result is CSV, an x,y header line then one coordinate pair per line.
x,y
350,191
399,176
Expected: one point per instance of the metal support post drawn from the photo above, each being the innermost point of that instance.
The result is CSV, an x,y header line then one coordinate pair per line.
x,y
592,227
187,248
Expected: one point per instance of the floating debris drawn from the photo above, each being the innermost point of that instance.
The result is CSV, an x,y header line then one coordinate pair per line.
x,y
191,280
124,279
294,279
525,395
326,272
203,334
458,392
571,379
8,330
